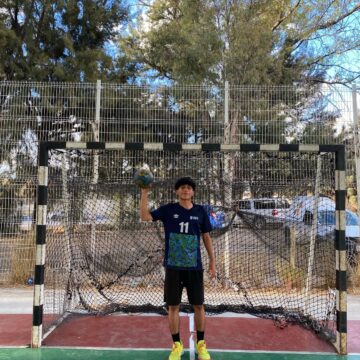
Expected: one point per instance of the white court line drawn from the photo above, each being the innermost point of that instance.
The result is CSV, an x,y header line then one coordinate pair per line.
x,y
168,349
210,350
191,339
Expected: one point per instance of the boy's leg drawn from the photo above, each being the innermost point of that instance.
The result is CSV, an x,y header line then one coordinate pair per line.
x,y
195,291
195,288
172,296
174,322
174,319
199,315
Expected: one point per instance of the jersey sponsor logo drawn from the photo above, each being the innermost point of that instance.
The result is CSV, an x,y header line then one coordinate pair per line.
x,y
194,218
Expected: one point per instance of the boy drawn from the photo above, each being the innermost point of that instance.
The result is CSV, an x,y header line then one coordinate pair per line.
x,y
184,223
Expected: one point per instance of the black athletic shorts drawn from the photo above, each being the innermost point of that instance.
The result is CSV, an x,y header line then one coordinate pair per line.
x,y
176,280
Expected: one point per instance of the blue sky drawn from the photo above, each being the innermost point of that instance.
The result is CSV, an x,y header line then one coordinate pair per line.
x,y
349,60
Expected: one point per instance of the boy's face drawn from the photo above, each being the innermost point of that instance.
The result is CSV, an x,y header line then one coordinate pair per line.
x,y
185,192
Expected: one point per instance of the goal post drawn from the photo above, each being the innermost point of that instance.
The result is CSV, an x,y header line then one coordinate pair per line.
x,y
112,267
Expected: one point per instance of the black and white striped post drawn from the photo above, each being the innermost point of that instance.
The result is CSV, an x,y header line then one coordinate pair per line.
x,y
41,210
340,193
340,246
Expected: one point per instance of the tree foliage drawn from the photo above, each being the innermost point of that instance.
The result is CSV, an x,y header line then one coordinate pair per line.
x,y
177,39
248,42
61,40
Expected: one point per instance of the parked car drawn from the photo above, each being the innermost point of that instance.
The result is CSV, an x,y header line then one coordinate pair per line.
x,y
262,211
301,214
26,222
55,221
216,216
26,211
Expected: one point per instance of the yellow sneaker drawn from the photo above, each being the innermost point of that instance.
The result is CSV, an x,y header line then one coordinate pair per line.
x,y
201,350
177,351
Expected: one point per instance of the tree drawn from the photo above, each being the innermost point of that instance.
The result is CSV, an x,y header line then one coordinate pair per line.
x,y
248,42
61,40
177,39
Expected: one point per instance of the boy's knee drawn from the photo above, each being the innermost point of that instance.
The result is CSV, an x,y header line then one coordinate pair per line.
x,y
174,308
198,307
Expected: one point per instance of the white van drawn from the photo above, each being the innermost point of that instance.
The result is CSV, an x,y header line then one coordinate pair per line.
x,y
26,210
263,211
301,213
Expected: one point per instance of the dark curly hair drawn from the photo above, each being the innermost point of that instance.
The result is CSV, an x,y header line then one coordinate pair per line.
x,y
185,181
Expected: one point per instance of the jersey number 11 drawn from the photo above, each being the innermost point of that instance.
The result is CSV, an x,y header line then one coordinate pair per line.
x,y
184,227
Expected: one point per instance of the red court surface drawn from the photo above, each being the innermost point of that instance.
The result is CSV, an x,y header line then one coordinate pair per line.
x,y
132,331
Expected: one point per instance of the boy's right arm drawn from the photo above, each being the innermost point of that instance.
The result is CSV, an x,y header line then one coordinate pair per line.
x,y
144,209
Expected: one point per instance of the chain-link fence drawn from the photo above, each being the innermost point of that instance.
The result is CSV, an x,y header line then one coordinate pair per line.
x,y
31,112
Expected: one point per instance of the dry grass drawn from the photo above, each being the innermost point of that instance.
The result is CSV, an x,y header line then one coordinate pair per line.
x,y
22,259
354,279
291,277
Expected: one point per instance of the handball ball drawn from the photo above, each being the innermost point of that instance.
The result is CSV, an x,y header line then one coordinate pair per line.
x,y
143,177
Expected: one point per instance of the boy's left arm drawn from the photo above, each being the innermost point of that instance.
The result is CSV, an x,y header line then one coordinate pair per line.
x,y
210,250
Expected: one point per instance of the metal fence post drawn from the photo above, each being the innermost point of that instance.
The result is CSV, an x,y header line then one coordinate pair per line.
x,y
227,137
356,144
96,133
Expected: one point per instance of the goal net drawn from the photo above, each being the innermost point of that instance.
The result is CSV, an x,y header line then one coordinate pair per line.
x,y
274,220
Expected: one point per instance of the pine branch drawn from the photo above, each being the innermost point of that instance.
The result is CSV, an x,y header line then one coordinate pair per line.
x,y
282,19
331,23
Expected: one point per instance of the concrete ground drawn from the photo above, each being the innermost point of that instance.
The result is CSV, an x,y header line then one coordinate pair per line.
x,y
18,300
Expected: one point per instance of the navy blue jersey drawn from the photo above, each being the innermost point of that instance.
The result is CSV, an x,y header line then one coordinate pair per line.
x,y
183,229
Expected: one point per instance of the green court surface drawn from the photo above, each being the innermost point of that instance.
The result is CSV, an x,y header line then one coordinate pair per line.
x,y
87,354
